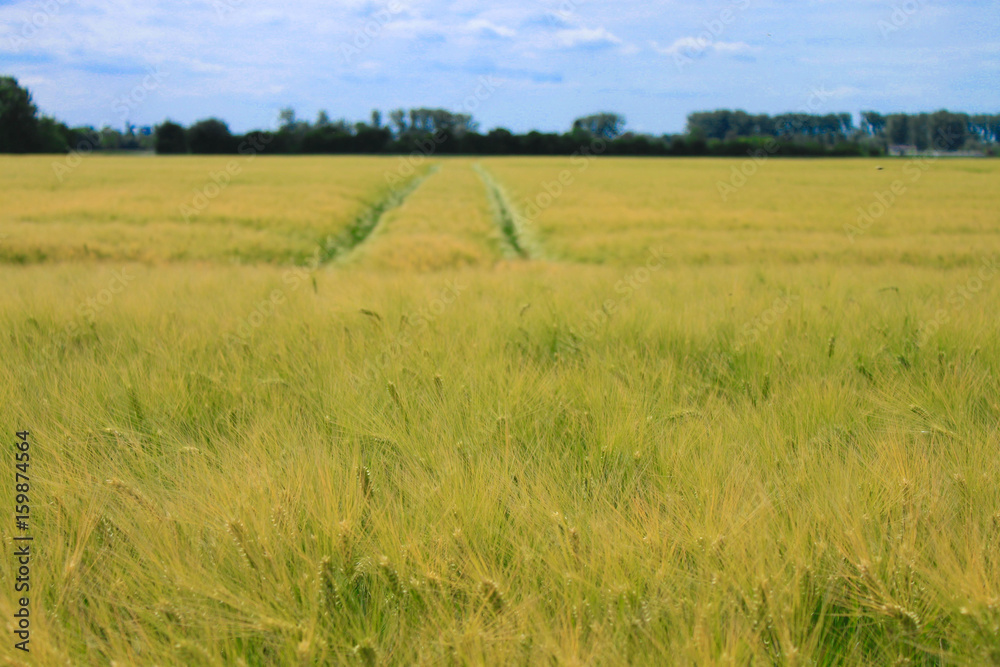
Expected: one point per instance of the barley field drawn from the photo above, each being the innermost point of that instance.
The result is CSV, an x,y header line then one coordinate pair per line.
x,y
503,411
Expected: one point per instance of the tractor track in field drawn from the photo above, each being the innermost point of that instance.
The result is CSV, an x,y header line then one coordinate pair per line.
x,y
505,215
366,222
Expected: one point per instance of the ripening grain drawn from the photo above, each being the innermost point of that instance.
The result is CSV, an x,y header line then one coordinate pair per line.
x,y
769,447
786,211
445,223
230,208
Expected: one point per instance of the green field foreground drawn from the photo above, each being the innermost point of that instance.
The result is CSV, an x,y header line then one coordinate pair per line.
x,y
673,430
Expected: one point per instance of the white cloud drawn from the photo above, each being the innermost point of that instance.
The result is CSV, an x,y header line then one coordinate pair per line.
x,y
482,26
697,45
575,37
732,47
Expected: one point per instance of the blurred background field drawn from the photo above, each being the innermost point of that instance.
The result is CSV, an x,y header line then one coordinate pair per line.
x,y
446,223
787,211
612,211
156,209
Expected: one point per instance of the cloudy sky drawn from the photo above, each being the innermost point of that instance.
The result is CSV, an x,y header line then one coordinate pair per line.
x,y
519,64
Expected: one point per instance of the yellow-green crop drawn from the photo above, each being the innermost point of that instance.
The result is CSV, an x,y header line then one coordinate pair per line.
x,y
682,430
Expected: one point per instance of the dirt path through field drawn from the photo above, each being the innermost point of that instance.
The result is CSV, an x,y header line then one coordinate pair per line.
x,y
446,223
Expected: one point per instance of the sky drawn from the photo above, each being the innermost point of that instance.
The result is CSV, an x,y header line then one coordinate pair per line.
x,y
520,64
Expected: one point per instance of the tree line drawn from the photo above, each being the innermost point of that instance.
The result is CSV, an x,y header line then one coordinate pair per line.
x,y
941,130
426,130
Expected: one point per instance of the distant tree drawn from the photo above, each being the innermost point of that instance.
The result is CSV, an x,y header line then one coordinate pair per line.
x,y
724,124
110,138
322,119
979,125
872,123
291,132
456,124
329,138
986,127
53,136
539,143
286,118
681,145
429,121
210,136
793,126
170,139
19,131
634,144
85,138
606,125
338,137
371,140
500,141
948,131
920,135
763,125
376,119
696,143
991,126
897,129
397,118
711,124
737,125
129,139
845,124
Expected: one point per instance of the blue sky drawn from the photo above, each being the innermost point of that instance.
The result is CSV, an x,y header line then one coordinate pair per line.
x,y
520,64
